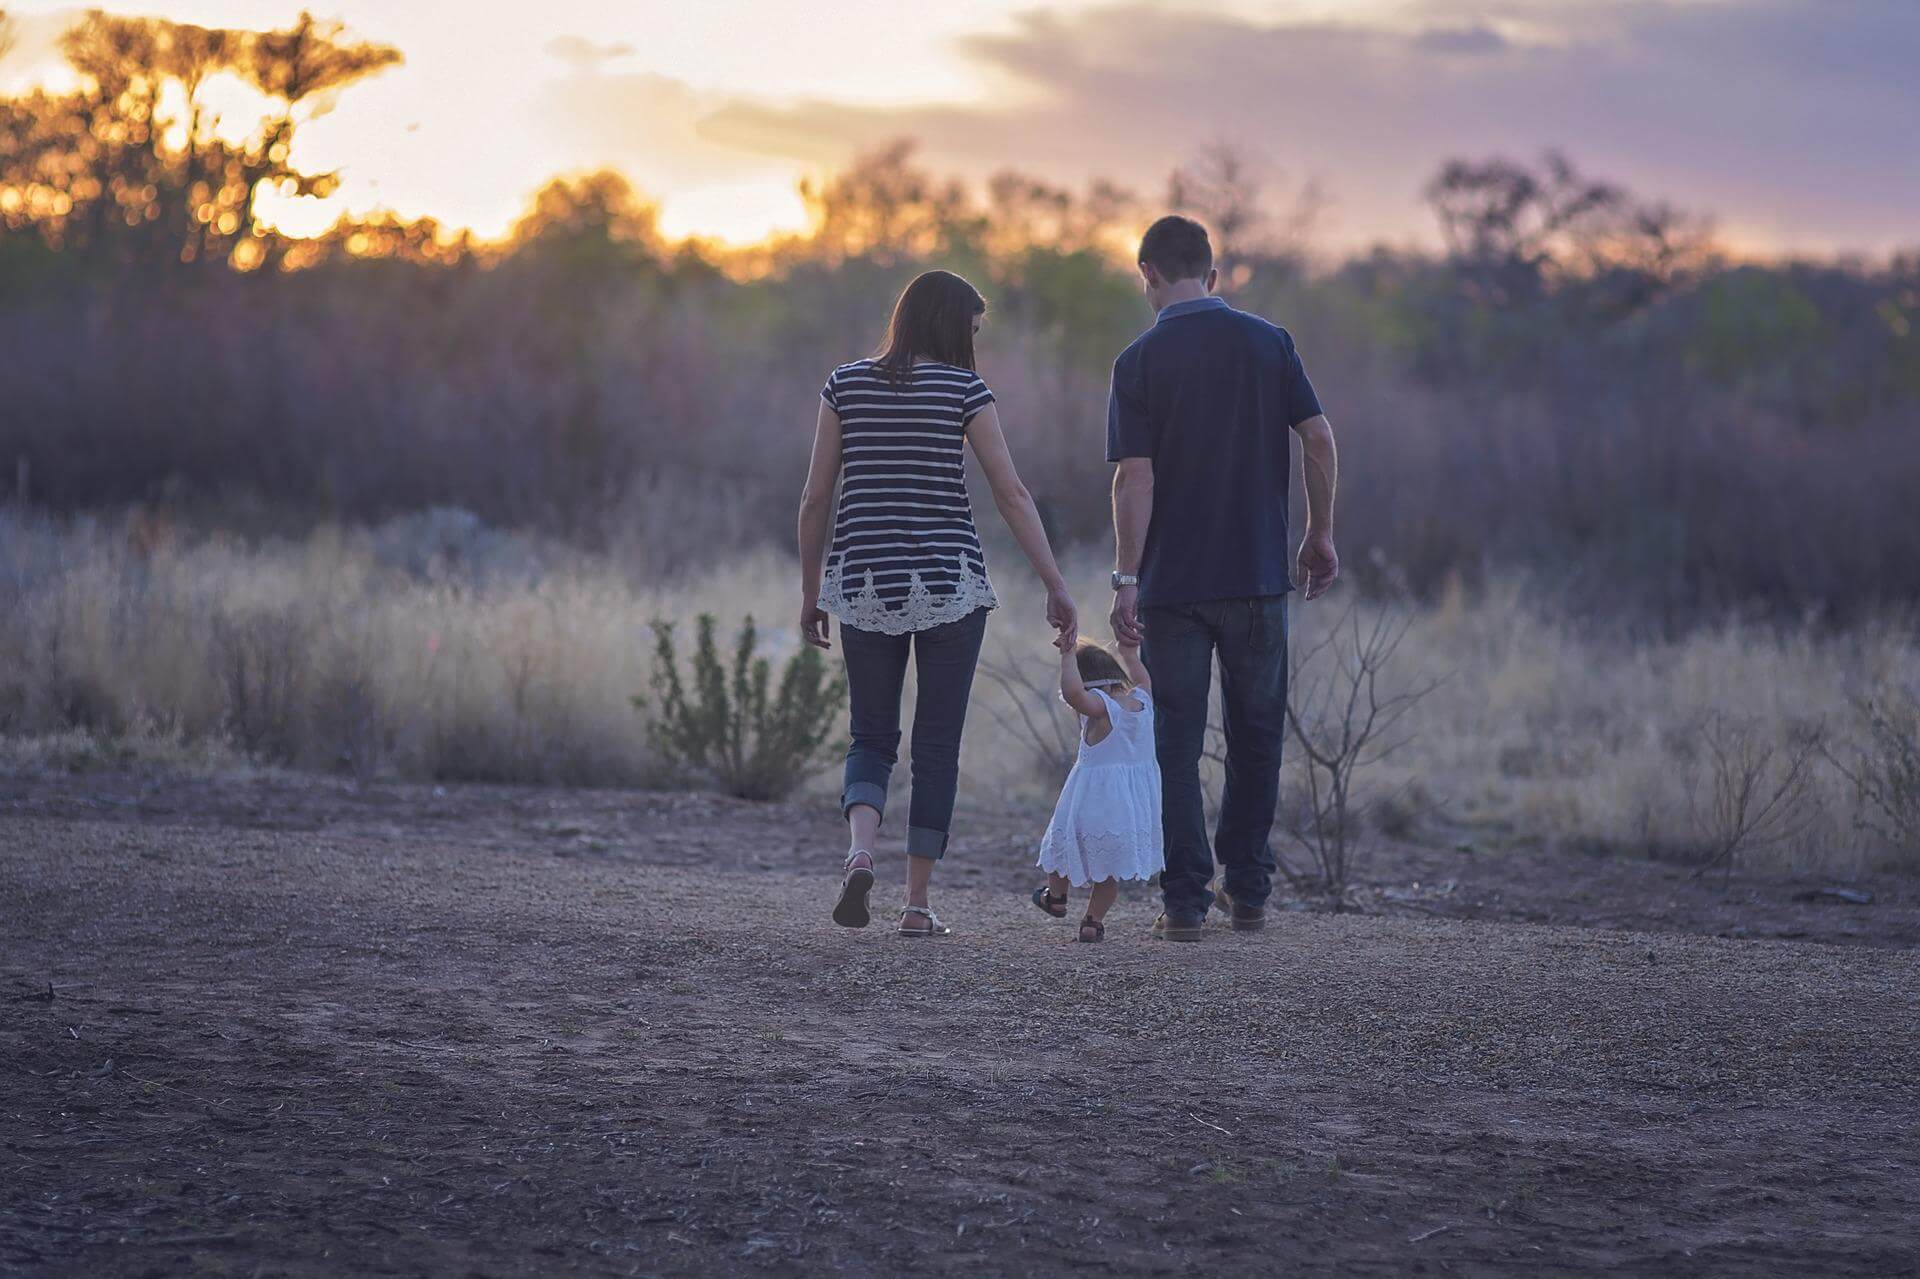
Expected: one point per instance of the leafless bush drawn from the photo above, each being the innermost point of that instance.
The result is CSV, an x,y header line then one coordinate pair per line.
x,y
1885,768
1038,720
1343,720
349,725
258,657
1755,791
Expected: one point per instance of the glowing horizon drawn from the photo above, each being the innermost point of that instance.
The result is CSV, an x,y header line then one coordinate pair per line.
x,y
715,115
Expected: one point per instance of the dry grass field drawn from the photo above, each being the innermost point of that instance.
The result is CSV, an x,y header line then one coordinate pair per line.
x,y
434,648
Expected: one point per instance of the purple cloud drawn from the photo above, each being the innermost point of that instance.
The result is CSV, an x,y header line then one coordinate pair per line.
x,y
1792,121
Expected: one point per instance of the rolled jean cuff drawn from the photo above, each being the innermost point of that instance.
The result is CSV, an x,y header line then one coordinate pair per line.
x,y
924,841
868,793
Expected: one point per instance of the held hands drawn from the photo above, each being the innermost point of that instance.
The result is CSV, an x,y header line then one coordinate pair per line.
x,y
1063,617
1126,617
1319,564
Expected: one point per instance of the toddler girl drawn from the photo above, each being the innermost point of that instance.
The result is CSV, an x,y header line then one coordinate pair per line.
x,y
1106,827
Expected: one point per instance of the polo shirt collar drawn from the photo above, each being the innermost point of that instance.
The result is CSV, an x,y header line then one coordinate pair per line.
x,y
1208,303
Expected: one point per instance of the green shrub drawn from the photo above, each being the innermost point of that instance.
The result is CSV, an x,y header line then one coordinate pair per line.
x,y
727,726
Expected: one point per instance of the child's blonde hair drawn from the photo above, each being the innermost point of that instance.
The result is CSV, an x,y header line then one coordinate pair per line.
x,y
1097,663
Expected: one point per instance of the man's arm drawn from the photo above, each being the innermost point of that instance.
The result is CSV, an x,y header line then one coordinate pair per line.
x,y
1132,511
1320,469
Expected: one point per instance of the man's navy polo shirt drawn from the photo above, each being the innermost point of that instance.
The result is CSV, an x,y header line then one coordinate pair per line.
x,y
1209,394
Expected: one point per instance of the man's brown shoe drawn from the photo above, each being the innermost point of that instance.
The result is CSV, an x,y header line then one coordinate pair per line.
x,y
1180,927
1245,919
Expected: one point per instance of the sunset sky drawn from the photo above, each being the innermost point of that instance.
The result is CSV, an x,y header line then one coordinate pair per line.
x,y
1792,122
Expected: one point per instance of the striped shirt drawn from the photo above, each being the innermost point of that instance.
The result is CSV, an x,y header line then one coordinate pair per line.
x,y
905,555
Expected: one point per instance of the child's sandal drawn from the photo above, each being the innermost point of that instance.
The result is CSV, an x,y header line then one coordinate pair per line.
x,y
1055,906
1099,929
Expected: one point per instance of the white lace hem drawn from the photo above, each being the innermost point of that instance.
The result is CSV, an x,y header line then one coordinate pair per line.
x,y
1087,857
922,610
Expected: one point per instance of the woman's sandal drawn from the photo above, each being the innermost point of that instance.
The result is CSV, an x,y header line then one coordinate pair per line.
x,y
1099,929
851,910
934,927
1055,906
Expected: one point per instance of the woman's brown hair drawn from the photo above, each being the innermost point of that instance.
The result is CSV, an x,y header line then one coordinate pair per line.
x,y
1096,663
933,320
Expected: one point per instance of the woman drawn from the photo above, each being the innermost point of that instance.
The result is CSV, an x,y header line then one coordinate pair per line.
x,y
905,573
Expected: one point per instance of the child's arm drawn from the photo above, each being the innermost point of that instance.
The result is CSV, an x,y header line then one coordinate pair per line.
x,y
1136,669
1073,691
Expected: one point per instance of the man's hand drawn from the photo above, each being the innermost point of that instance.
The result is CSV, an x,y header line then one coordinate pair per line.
x,y
1126,616
1319,564
814,624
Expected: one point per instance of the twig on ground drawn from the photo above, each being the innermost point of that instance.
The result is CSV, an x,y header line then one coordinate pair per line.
x,y
1216,1127
1425,1235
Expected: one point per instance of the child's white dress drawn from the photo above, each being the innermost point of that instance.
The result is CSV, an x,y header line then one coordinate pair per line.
x,y
1107,823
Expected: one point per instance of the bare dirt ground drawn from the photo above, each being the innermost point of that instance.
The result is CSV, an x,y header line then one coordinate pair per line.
x,y
296,1028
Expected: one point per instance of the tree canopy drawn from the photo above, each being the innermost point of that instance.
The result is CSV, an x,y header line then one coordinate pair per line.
x,y
137,166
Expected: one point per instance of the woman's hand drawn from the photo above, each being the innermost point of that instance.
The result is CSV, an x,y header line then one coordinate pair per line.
x,y
1062,616
814,624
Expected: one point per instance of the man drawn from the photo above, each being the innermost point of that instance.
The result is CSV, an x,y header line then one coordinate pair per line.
x,y
1197,424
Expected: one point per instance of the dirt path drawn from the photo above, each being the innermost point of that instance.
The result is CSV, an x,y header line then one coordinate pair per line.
x,y
413,1038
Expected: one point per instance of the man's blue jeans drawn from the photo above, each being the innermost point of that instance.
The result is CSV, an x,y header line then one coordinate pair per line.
x,y
944,658
1250,638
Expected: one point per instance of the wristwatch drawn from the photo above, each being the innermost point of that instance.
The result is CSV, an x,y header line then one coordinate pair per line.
x,y
1124,579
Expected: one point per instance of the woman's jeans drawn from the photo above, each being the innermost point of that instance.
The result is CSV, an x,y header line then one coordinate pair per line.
x,y
943,662
1248,638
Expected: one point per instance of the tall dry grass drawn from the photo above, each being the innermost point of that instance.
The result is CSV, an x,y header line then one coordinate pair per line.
x,y
435,648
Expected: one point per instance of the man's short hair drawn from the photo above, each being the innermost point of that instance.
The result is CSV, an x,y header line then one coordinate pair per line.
x,y
1177,248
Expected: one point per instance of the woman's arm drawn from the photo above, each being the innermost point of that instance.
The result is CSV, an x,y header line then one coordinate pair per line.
x,y
1073,692
1022,517
1136,669
816,501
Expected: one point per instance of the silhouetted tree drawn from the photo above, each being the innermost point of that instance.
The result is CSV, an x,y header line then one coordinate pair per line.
x,y
1226,189
1513,232
600,207
1221,190
883,208
134,164
1025,212
384,236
